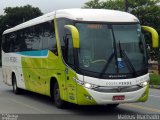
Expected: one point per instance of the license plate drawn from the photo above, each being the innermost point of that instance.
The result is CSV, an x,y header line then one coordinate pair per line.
x,y
118,97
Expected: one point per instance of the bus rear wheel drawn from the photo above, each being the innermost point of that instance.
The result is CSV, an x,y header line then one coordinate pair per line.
x,y
56,96
16,90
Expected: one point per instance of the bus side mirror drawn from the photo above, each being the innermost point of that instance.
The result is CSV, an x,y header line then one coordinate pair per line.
x,y
155,36
75,35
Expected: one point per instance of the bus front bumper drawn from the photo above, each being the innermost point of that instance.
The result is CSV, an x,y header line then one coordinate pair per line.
x,y
92,97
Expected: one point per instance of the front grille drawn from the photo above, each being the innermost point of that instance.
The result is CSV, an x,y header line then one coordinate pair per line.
x,y
117,89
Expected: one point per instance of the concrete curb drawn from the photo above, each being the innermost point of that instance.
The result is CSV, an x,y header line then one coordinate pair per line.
x,y
155,86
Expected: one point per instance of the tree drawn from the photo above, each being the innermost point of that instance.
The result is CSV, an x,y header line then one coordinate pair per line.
x,y
148,12
120,4
16,15
93,4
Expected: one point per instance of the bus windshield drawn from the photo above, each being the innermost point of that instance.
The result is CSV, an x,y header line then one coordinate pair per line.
x,y
111,49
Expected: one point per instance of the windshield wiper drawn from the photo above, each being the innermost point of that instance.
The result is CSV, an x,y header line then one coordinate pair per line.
x,y
106,65
124,55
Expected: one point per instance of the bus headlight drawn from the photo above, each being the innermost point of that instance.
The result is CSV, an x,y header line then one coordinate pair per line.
x,y
90,86
143,84
85,84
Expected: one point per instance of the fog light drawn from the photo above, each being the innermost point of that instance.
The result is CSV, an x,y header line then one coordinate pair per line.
x,y
88,97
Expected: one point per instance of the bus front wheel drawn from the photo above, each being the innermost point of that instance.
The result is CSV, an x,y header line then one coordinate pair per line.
x,y
56,96
112,106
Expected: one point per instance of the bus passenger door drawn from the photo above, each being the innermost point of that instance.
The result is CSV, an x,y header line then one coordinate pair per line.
x,y
70,73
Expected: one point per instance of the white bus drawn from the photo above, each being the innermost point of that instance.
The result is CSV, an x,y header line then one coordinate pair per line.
x,y
81,56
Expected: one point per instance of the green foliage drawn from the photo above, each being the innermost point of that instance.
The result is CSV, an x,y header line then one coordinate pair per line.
x,y
142,3
154,79
93,4
113,4
16,15
120,4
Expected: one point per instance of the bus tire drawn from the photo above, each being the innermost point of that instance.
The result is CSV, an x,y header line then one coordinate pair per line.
x,y
112,106
56,96
16,90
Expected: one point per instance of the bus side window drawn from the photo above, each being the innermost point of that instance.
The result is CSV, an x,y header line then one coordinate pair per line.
x,y
36,43
21,39
12,38
18,42
27,39
48,37
69,48
4,43
61,22
31,38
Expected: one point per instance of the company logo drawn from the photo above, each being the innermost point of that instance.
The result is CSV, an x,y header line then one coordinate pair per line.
x,y
127,83
117,76
119,89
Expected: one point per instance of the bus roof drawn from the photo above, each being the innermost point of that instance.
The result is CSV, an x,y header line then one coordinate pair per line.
x,y
95,15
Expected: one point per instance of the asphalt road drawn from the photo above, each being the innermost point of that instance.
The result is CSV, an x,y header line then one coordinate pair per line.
x,y
31,106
